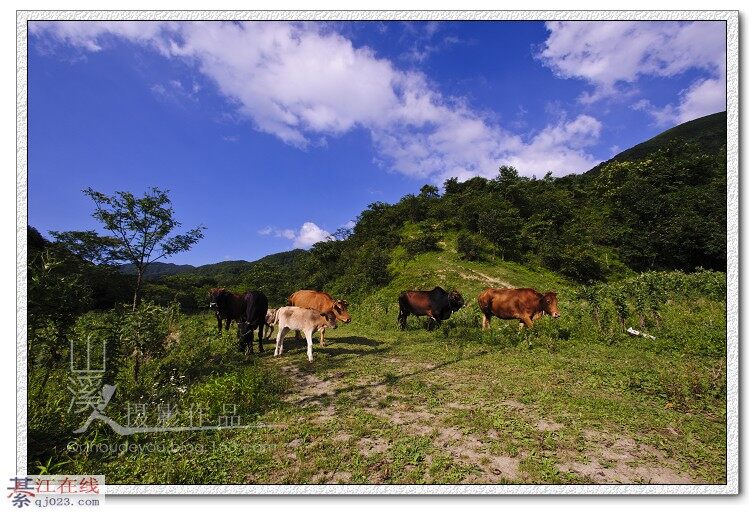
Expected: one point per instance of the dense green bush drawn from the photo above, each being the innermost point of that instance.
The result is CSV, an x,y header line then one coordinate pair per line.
x,y
424,239
685,310
472,247
579,262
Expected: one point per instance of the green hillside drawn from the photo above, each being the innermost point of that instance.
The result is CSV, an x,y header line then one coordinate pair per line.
x,y
709,132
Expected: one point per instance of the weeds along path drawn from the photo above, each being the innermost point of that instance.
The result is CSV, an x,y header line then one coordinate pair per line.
x,y
406,409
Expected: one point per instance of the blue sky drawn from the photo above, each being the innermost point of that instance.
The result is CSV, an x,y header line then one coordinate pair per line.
x,y
275,134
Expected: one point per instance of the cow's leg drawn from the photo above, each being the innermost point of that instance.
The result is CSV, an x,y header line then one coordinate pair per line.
x,y
485,322
227,324
259,336
322,337
297,335
308,334
279,340
527,321
250,343
220,323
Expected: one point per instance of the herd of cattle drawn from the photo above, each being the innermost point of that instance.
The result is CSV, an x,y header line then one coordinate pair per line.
x,y
309,311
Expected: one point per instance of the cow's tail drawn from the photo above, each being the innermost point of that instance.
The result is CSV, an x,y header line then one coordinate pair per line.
x,y
403,310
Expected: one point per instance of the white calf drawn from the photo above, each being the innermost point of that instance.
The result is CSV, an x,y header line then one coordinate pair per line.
x,y
304,320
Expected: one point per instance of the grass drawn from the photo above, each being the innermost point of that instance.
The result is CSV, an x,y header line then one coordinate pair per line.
x,y
561,403
412,408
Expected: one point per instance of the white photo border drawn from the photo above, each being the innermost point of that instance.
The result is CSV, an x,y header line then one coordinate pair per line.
x,y
732,305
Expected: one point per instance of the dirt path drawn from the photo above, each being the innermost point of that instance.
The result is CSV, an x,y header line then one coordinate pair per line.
x,y
605,457
469,274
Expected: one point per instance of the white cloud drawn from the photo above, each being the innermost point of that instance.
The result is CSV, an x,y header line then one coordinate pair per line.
x,y
309,234
302,82
557,148
615,54
176,91
703,97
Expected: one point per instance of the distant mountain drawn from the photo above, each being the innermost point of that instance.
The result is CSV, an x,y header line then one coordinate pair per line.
x,y
157,269
709,132
282,258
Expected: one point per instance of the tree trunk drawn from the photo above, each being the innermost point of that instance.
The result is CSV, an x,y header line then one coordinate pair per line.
x,y
138,291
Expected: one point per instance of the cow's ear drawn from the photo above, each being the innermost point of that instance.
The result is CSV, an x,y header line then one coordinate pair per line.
x,y
345,304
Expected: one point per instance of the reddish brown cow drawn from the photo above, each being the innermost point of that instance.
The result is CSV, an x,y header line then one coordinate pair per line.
x,y
323,303
523,304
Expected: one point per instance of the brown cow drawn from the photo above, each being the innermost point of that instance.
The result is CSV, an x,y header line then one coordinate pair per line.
x,y
523,304
436,304
322,303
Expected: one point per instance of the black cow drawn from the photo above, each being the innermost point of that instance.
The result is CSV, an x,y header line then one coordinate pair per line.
x,y
253,318
228,306
436,304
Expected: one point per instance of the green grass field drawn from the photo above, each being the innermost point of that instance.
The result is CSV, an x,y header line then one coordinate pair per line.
x,y
567,402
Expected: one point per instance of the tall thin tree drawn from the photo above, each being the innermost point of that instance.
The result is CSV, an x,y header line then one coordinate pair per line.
x,y
140,229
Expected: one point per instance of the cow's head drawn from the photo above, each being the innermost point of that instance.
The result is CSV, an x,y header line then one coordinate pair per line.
x,y
217,297
455,300
549,303
330,319
340,311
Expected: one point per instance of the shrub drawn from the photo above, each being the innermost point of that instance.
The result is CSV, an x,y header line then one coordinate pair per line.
x,y
98,328
575,261
421,237
472,247
686,311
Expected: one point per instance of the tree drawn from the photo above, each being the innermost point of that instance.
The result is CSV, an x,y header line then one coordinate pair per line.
x,y
88,245
429,191
140,229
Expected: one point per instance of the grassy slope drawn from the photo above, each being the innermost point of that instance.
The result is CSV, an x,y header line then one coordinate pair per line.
x,y
457,405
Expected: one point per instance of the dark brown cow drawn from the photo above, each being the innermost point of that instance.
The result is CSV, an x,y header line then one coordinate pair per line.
x,y
228,306
436,304
523,304
323,303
